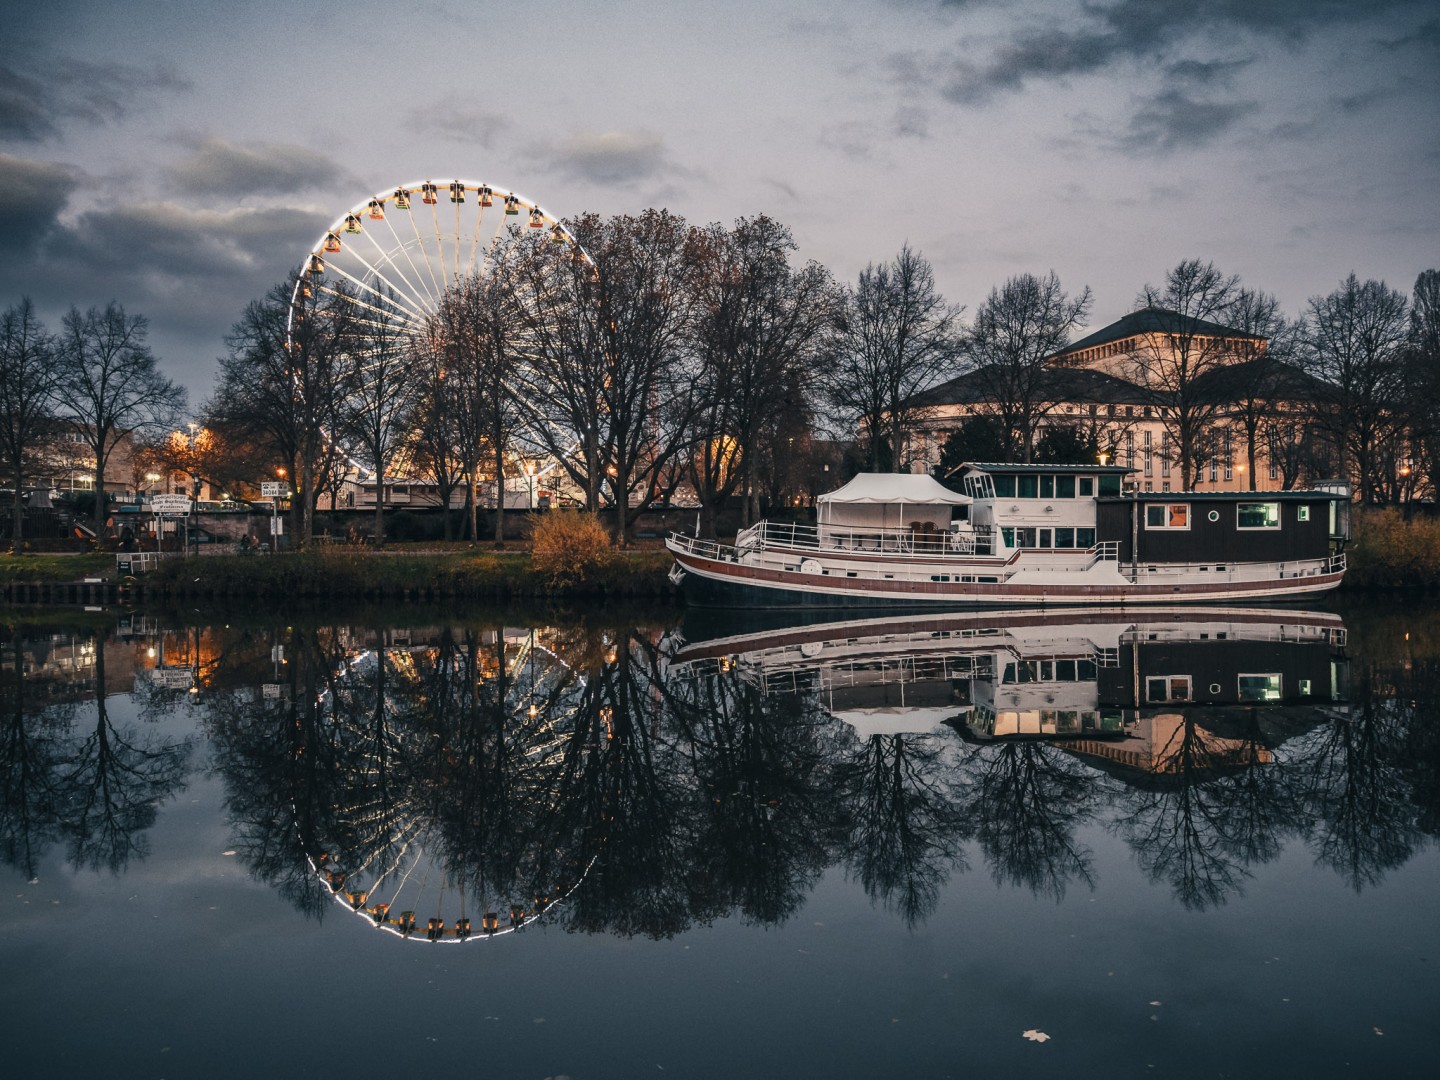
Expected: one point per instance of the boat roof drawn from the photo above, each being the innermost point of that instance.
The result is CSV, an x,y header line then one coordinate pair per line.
x,y
895,488
1303,495
1012,467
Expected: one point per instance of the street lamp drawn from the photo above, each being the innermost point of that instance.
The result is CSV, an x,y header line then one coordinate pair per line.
x,y
530,471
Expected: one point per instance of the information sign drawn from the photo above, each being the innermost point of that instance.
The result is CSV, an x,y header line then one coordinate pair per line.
x,y
273,489
170,504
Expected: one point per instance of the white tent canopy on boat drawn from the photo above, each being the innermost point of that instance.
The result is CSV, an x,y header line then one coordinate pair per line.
x,y
889,501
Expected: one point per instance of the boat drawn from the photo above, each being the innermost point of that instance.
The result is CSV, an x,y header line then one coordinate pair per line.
x,y
1083,677
1026,534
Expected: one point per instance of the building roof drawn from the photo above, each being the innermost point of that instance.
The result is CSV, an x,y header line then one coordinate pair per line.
x,y
1260,378
1053,384
1042,467
1153,320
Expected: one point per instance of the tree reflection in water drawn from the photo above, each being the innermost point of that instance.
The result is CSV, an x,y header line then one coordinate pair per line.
x,y
94,785
469,770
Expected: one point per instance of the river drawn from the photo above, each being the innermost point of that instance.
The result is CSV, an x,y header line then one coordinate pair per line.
x,y
1094,843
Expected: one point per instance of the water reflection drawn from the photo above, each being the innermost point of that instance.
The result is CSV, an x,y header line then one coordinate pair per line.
x,y
456,783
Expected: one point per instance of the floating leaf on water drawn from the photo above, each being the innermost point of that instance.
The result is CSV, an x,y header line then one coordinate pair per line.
x,y
1035,1036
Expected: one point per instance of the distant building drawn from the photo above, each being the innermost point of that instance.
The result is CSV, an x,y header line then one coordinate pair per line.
x,y
1113,385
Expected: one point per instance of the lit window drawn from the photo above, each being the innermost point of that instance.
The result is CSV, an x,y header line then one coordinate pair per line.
x,y
1302,513
1259,687
1257,515
1167,516
1163,689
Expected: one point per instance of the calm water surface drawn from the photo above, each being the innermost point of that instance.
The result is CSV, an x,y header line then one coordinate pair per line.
x,y
1079,844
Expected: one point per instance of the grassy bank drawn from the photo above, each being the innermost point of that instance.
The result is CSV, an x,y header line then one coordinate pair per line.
x,y
354,573
1389,552
55,567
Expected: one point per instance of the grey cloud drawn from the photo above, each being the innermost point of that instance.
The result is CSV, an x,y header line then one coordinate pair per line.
x,y
169,241
1174,121
613,157
22,119
34,102
459,124
217,167
1207,72
1132,29
35,194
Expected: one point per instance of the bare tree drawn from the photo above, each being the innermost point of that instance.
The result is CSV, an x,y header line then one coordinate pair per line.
x,y
434,436
759,327
27,397
1355,341
895,335
379,386
1423,372
481,333
605,390
279,385
1185,344
110,385
1017,329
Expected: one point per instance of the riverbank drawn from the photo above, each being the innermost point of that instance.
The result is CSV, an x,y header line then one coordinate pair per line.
x,y
348,574
1389,552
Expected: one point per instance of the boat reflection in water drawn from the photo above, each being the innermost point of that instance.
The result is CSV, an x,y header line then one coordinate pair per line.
x,y
1111,684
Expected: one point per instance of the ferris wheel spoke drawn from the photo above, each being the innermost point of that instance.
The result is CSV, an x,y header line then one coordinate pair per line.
x,y
395,295
404,312
387,259
404,248
425,257
439,246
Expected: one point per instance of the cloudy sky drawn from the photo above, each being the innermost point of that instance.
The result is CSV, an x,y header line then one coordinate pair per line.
x,y
182,157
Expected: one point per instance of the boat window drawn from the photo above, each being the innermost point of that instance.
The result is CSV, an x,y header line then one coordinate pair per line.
x,y
1065,670
1257,515
1065,487
1047,487
1084,538
1110,484
1085,670
1007,536
1004,487
1302,513
1064,538
1161,689
1087,487
1167,516
1259,687
1026,486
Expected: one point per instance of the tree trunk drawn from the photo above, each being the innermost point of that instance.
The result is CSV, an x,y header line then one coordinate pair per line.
x,y
499,495
380,508
18,535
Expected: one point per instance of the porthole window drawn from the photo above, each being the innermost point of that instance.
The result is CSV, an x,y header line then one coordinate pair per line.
x,y
1214,515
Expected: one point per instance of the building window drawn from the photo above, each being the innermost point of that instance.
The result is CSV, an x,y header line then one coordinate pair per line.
x,y
1165,455
1167,516
1163,689
1229,457
1149,456
1260,687
1257,515
1130,449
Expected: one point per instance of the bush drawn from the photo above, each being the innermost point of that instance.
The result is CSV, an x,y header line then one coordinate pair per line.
x,y
570,546
1392,552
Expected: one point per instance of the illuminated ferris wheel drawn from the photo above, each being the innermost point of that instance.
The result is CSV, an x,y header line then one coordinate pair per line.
x,y
397,253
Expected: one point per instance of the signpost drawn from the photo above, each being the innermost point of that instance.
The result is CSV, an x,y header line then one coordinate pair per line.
x,y
274,490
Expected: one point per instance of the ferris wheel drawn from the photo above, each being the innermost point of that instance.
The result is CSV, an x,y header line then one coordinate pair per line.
x,y
399,251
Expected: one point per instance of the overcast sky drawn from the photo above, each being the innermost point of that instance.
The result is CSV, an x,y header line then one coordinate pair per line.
x,y
182,157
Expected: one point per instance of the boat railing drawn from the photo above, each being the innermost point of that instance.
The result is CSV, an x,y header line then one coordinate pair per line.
x,y
866,540
705,549
1106,551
